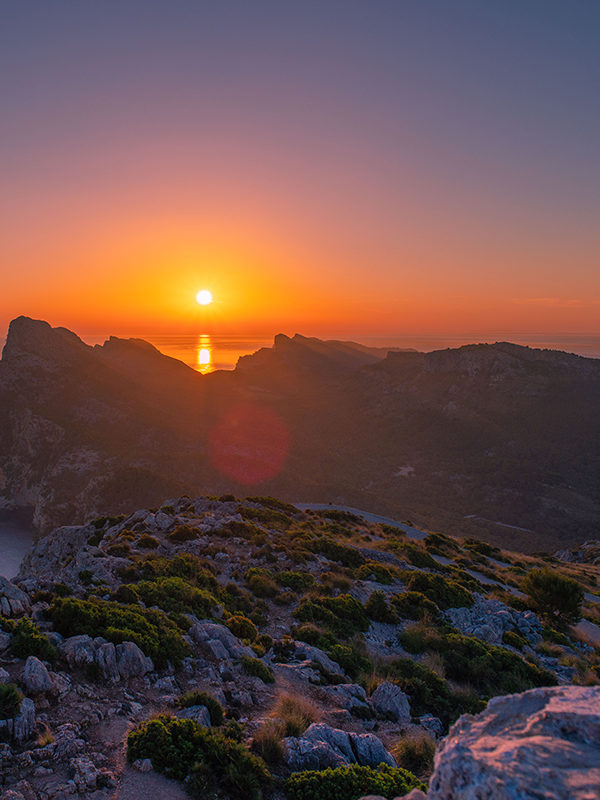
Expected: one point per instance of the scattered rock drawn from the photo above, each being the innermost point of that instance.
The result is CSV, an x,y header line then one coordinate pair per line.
x,y
488,619
13,601
131,662
328,746
199,714
22,726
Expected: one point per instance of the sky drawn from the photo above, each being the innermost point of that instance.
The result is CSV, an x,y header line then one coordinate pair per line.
x,y
325,167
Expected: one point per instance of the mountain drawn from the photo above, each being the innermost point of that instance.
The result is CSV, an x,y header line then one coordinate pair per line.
x,y
498,441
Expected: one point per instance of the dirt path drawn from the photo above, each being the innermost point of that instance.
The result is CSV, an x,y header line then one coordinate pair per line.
x,y
147,786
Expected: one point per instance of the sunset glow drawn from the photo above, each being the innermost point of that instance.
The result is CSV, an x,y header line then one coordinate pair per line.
x,y
204,297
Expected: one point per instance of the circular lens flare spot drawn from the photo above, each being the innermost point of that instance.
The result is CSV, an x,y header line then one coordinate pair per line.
x,y
249,444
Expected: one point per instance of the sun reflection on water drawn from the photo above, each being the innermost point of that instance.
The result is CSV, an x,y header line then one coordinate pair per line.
x,y
203,361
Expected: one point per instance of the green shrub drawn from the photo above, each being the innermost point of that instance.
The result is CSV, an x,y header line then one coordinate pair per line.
x,y
414,605
556,637
343,615
242,627
348,556
275,504
419,557
338,515
256,668
378,609
194,698
556,597
267,516
28,640
374,571
351,658
297,581
491,670
153,632
445,593
514,639
10,700
183,533
174,595
147,542
350,783
210,762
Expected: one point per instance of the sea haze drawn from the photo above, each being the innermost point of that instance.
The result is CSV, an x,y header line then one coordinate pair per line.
x,y
16,537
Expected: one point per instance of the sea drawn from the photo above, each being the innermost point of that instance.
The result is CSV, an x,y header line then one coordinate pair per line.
x,y
16,537
207,352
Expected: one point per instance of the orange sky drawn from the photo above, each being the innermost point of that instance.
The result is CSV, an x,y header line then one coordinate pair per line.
x,y
375,174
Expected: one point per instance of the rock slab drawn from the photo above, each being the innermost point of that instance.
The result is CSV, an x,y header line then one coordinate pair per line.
x,y
541,743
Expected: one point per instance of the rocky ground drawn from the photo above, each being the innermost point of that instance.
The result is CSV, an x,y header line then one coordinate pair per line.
x,y
386,641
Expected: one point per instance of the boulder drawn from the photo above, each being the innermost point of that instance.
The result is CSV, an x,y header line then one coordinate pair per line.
x,y
106,658
78,651
390,701
131,662
199,714
36,677
347,695
218,641
22,726
13,601
488,619
310,653
325,746
541,743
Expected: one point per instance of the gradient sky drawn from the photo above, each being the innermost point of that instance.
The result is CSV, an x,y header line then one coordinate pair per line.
x,y
336,166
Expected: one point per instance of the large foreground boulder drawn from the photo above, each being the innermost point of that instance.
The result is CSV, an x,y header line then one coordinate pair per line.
x,y
541,743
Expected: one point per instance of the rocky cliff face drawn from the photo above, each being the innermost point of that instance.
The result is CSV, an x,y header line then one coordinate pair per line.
x,y
498,441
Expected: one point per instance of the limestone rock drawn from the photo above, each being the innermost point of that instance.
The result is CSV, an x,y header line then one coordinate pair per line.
x,y
488,619
390,701
541,743
218,641
106,657
199,714
22,726
325,746
131,662
13,601
78,651
36,677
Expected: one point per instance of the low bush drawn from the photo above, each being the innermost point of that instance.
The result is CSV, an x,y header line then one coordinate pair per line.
x,y
351,657
444,592
297,581
10,700
268,742
154,633
374,571
256,668
28,640
147,542
183,533
267,516
414,605
377,608
343,615
275,504
261,582
514,639
194,698
415,753
174,595
419,557
211,763
348,556
242,627
350,783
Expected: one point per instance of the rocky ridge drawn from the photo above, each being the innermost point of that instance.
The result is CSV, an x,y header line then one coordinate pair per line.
x,y
244,591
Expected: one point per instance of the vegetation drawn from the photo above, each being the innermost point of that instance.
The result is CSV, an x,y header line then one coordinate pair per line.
x,y
556,597
414,605
194,698
212,763
10,700
256,668
242,627
295,712
444,592
378,609
28,640
415,753
350,783
152,630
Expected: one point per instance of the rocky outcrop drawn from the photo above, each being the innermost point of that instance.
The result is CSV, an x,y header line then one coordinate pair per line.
x,y
217,641
541,743
13,601
321,746
391,702
488,619
126,660
586,553
131,662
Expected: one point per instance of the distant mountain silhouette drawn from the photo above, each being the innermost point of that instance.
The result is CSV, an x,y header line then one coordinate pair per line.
x,y
460,439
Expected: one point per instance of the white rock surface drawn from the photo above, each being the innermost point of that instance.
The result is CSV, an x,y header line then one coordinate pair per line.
x,y
13,601
544,743
322,746
488,619
390,701
36,677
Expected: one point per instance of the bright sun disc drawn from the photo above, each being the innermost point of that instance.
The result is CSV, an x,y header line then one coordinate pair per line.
x,y
204,297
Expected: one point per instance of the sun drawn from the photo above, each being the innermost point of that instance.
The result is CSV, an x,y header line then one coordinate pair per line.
x,y
204,297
